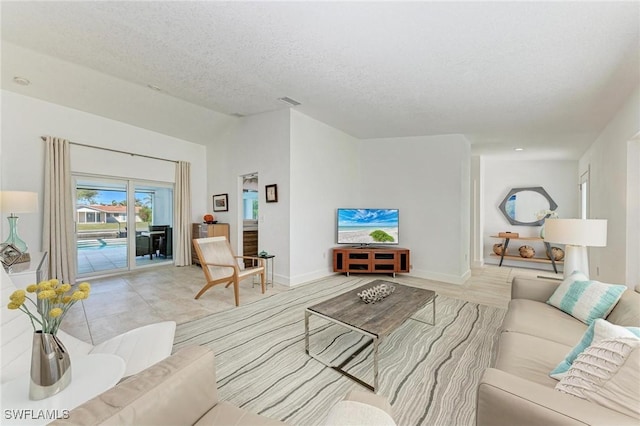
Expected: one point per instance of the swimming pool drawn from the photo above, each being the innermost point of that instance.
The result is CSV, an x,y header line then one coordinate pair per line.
x,y
101,243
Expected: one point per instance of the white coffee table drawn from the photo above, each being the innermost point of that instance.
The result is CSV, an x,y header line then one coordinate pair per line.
x,y
90,376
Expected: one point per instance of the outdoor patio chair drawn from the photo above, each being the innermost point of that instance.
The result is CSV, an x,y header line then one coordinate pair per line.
x,y
220,265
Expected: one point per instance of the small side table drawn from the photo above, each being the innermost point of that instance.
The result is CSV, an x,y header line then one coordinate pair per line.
x,y
90,376
269,266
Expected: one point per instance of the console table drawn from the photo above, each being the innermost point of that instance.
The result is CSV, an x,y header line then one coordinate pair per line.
x,y
90,376
547,247
372,260
31,272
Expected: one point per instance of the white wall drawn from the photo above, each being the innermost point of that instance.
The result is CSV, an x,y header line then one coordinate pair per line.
x,y
607,161
25,119
259,143
558,178
324,176
428,179
633,213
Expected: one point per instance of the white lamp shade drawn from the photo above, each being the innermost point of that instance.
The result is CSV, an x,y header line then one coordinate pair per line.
x,y
18,201
577,232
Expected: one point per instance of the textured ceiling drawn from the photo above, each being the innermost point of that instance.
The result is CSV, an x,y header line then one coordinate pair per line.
x,y
544,75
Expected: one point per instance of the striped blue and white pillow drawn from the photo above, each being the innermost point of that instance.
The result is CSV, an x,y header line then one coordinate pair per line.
x,y
584,299
598,330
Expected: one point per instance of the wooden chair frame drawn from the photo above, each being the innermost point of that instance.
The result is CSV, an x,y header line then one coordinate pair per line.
x,y
227,272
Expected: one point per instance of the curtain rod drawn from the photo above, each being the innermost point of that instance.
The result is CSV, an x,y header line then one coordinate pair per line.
x,y
44,138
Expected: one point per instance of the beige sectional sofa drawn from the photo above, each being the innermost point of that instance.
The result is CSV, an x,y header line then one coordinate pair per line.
x,y
536,337
181,390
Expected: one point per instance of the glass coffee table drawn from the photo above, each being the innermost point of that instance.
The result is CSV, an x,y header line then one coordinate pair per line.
x,y
374,320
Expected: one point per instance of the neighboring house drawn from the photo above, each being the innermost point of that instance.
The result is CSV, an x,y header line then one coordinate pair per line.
x,y
100,214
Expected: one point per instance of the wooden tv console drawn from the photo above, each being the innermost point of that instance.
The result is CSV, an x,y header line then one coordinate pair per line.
x,y
371,260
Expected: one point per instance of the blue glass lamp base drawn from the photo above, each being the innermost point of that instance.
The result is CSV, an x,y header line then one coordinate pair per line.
x,y
13,235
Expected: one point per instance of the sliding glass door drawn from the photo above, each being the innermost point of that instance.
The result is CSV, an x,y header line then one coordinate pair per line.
x,y
122,224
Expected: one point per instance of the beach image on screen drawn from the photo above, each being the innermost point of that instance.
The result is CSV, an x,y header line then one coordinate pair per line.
x,y
367,226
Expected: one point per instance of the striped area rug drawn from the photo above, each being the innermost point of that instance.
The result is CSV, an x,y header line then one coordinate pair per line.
x,y
428,373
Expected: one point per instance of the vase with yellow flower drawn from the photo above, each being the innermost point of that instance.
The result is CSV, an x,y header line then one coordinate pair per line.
x,y
50,362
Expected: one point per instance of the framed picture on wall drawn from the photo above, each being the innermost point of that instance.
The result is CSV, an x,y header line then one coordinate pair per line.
x,y
272,193
221,203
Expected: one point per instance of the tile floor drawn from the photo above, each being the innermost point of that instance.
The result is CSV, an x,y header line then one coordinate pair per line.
x,y
122,302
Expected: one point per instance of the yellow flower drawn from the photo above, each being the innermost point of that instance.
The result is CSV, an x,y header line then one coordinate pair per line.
x,y
77,295
44,285
63,288
55,312
18,294
54,298
14,305
47,294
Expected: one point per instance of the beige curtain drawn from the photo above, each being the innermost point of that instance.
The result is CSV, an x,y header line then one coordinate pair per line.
x,y
58,237
182,202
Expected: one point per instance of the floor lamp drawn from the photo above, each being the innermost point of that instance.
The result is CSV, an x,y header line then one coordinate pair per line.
x,y
577,235
13,202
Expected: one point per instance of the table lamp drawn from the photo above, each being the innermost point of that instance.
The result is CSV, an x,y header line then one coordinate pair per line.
x,y
577,235
13,202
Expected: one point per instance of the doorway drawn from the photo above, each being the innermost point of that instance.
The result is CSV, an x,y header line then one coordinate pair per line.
x,y
249,216
121,224
584,194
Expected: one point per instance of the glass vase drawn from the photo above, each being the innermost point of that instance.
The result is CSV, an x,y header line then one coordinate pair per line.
x,y
50,366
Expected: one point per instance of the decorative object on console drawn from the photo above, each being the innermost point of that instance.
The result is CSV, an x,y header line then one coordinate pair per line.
x,y
9,254
557,253
221,203
209,219
50,363
271,192
13,202
497,249
376,293
520,205
527,252
577,235
544,215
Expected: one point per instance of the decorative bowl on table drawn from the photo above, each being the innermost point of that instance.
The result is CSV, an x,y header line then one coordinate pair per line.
x,y
376,293
527,252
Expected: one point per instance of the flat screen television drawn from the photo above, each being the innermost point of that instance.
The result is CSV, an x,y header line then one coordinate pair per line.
x,y
368,226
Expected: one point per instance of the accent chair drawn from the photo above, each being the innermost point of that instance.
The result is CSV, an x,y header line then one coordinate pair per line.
x,y
220,265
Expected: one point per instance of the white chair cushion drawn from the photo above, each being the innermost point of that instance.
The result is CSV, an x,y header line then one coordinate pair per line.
x,y
353,413
141,347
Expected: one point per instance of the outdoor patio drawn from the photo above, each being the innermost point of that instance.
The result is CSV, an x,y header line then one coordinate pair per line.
x,y
98,255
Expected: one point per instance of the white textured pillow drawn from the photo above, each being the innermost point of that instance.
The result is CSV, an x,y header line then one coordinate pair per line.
x,y
599,329
607,373
584,299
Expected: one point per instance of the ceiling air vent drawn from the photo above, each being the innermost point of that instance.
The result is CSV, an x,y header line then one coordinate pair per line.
x,y
289,101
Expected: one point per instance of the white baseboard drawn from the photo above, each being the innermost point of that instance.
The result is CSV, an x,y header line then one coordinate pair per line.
x,y
446,278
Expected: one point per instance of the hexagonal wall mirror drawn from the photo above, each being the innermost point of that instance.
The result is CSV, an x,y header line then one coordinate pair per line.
x,y
521,205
